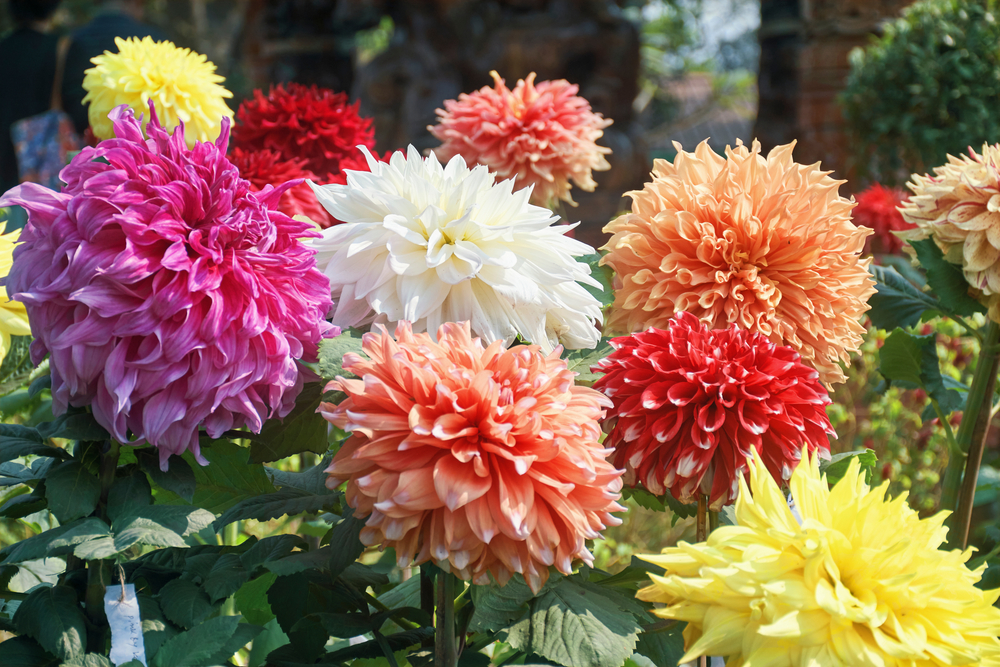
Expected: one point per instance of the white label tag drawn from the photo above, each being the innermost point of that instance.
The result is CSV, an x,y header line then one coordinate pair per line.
x,y
126,626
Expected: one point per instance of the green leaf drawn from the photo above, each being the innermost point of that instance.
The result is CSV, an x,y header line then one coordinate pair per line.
x,y
664,648
332,351
273,505
311,481
299,561
52,617
374,648
178,478
71,490
499,606
54,540
251,599
572,625
581,361
39,383
225,578
897,302
291,599
947,280
302,430
25,652
644,498
183,602
16,366
23,505
158,525
270,548
602,274
272,638
17,441
912,362
199,646
89,660
227,480
129,491
74,426
155,627
836,467
345,543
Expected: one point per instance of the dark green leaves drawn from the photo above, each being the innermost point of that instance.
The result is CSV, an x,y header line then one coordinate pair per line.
x,y
25,652
946,280
226,481
279,503
17,441
302,430
52,617
210,643
158,525
332,351
16,365
911,362
71,490
897,302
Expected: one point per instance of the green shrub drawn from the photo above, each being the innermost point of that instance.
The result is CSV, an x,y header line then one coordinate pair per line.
x,y
928,87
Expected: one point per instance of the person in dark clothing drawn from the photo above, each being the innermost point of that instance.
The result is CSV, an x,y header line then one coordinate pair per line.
x,y
28,55
121,18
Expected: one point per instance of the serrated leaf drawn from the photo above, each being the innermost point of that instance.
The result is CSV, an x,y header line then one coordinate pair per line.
x,y
23,505
897,302
41,545
312,481
89,660
270,548
155,627
52,617
129,491
374,648
17,441
227,480
25,652
299,561
178,478
16,366
602,274
78,426
345,543
573,626
225,578
499,606
302,430
71,490
332,351
12,474
645,499
183,602
912,362
663,648
251,599
158,525
581,361
836,467
199,646
290,599
274,505
946,280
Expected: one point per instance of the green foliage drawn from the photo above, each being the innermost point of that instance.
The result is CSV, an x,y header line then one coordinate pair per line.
x,y
16,366
581,362
302,430
946,280
912,362
897,302
926,88
836,467
332,351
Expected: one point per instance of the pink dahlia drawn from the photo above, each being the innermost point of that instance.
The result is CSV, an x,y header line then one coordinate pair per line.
x,y
878,209
690,403
542,136
265,167
304,122
482,459
167,293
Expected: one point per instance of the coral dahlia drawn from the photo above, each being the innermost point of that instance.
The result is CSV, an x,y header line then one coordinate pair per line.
x,y
541,135
959,207
763,243
168,294
181,83
862,581
13,316
482,459
265,167
304,122
431,244
878,209
691,403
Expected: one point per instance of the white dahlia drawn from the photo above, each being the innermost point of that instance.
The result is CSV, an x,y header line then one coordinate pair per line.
x,y
429,244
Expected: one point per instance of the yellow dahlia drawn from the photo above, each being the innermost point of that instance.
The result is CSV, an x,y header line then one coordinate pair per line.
x,y
182,84
761,242
13,317
861,582
959,208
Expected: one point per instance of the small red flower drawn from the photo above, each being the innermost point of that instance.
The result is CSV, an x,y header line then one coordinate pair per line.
x,y
690,402
877,209
304,122
266,167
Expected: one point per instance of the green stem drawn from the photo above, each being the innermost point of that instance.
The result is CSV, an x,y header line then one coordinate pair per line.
x,y
230,538
965,325
99,572
943,418
957,493
445,646
427,597
713,521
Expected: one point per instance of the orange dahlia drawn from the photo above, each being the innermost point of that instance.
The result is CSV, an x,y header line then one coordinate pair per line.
x,y
482,459
691,404
761,242
542,136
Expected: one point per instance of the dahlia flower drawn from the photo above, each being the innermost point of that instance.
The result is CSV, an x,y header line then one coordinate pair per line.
x,y
878,209
181,83
959,207
265,167
542,136
304,122
690,403
482,459
431,244
13,316
862,582
763,243
168,294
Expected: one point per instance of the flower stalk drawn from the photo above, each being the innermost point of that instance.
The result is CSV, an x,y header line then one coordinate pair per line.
x,y
445,646
959,489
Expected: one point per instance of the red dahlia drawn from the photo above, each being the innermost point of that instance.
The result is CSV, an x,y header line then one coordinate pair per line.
x,y
266,167
690,402
304,122
878,209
